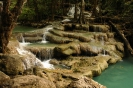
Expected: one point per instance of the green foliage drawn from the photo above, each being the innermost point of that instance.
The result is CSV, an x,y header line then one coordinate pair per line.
x,y
113,7
128,10
27,14
12,4
42,9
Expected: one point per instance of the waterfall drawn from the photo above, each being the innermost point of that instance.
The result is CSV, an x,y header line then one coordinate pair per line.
x,y
46,31
72,11
46,64
45,55
44,39
31,60
97,9
47,58
49,53
102,40
23,40
104,52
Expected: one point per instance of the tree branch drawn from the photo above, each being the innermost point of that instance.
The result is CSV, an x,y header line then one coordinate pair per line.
x,y
17,9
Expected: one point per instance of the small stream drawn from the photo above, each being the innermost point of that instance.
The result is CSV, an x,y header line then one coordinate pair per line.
x,y
118,75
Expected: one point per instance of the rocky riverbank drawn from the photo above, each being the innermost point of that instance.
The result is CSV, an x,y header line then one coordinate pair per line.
x,y
81,52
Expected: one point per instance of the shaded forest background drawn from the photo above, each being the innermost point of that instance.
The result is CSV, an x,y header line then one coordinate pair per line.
x,y
39,10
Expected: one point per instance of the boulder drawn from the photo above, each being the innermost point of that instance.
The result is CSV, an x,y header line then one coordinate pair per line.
x,y
11,64
28,81
75,49
85,82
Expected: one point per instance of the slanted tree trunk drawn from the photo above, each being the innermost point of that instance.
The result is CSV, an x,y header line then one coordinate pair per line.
x,y
81,17
126,43
8,20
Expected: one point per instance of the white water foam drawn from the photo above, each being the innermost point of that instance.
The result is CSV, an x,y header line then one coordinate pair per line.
x,y
31,60
49,27
46,64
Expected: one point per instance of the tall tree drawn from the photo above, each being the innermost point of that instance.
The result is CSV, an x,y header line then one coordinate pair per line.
x,y
81,17
75,14
8,20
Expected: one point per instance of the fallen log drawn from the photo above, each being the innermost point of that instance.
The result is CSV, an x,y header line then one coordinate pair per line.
x,y
126,43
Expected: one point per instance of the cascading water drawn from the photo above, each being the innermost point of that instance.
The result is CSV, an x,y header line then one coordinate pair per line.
x,y
46,31
23,40
31,60
22,43
72,11
46,59
44,39
102,40
102,43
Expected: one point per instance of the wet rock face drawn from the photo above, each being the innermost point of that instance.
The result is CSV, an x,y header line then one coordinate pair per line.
x,y
42,53
28,81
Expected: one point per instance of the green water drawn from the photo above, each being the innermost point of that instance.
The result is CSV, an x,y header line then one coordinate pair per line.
x,y
20,28
119,75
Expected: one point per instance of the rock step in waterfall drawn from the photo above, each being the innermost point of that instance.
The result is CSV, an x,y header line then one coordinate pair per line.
x,y
81,47
95,36
34,36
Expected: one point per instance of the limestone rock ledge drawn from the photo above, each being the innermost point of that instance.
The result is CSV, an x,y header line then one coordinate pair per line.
x,y
85,82
28,81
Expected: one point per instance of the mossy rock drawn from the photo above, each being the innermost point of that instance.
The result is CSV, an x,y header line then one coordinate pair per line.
x,y
28,81
11,64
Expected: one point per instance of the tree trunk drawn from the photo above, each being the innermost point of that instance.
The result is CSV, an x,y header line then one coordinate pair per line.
x,y
81,17
36,10
75,14
63,9
126,43
8,20
95,2
52,9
